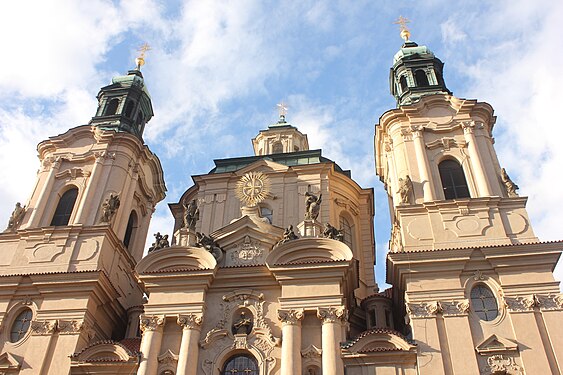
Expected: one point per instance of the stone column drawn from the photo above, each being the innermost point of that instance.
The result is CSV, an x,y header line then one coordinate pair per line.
x,y
475,159
291,340
332,318
422,161
189,347
150,343
54,164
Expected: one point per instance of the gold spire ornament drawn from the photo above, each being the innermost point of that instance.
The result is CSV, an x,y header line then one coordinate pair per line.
x,y
253,188
282,110
402,22
140,61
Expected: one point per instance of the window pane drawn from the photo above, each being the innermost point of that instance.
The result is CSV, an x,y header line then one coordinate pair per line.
x,y
484,303
21,325
241,365
64,208
453,180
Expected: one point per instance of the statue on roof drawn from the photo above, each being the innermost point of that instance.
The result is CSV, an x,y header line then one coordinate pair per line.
x,y
209,244
288,235
312,205
511,187
160,242
16,218
333,233
191,214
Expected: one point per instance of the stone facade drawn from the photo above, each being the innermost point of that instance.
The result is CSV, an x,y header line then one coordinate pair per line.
x,y
269,268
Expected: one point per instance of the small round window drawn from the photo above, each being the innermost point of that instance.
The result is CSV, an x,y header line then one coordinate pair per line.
x,y
20,326
484,303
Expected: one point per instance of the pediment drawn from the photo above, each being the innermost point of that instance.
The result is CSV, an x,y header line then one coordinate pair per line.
x,y
177,258
8,362
379,340
264,166
247,241
495,344
107,351
309,250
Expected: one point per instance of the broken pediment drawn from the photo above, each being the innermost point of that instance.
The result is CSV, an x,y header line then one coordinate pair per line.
x,y
309,250
378,340
495,344
177,258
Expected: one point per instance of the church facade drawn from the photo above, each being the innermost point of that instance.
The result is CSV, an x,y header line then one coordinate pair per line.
x,y
269,266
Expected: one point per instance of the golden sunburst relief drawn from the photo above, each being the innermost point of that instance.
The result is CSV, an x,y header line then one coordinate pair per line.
x,y
253,188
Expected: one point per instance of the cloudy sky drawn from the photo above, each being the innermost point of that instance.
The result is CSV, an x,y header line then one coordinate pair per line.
x,y
218,68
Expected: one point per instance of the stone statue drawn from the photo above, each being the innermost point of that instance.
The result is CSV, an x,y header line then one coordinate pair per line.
x,y
209,244
333,233
16,218
242,325
405,189
160,242
511,187
191,214
109,208
312,205
288,235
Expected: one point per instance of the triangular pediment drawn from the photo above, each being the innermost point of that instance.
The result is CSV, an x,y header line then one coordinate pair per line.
x,y
494,344
264,166
8,362
247,241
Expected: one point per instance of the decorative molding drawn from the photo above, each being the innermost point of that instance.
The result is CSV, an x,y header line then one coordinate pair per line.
x,y
496,345
73,173
168,357
311,352
551,301
190,321
290,317
247,252
72,327
152,323
478,275
433,308
467,126
44,327
500,364
455,308
530,302
446,143
332,314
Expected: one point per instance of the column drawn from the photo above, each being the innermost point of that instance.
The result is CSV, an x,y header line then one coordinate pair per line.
x,y
475,160
189,346
86,200
422,161
54,163
291,340
332,318
150,344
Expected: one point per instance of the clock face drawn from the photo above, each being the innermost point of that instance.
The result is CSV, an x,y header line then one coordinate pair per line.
x,y
253,188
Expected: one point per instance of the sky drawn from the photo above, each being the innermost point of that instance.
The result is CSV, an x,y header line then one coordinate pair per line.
x,y
217,69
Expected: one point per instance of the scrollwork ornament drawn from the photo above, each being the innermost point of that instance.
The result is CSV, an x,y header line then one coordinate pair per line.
x,y
69,327
291,316
190,321
43,327
332,314
499,364
551,302
468,126
151,323
455,308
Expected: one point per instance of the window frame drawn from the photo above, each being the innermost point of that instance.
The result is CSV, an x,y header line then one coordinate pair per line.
x,y
66,191
455,186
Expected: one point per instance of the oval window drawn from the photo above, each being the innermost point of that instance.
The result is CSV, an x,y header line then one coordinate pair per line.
x,y
20,326
484,303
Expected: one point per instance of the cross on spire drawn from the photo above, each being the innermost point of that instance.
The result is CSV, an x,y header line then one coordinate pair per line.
x,y
402,22
141,59
282,109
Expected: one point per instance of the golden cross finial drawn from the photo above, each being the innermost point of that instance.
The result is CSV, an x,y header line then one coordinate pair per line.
x,y
402,22
282,109
141,59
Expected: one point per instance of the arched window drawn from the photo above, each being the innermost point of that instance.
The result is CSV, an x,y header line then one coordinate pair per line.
x,y
131,227
240,364
65,207
484,303
421,78
453,180
111,107
129,109
267,213
21,324
403,83
277,148
346,228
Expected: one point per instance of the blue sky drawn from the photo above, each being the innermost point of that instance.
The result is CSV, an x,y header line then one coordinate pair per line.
x,y
218,68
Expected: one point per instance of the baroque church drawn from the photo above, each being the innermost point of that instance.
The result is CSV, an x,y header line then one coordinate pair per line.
x,y
269,268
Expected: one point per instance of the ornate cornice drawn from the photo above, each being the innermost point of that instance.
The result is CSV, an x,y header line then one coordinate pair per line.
x,y
44,327
432,308
332,314
291,317
152,322
533,301
190,321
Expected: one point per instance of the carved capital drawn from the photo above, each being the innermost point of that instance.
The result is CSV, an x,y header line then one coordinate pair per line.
x,y
152,323
190,321
44,327
416,130
468,127
292,316
332,314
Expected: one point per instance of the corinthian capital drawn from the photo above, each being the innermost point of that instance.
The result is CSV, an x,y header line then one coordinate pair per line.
x,y
468,126
151,322
190,321
332,314
292,316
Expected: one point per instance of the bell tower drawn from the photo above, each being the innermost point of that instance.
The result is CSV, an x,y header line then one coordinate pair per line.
x,y
467,271
69,255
